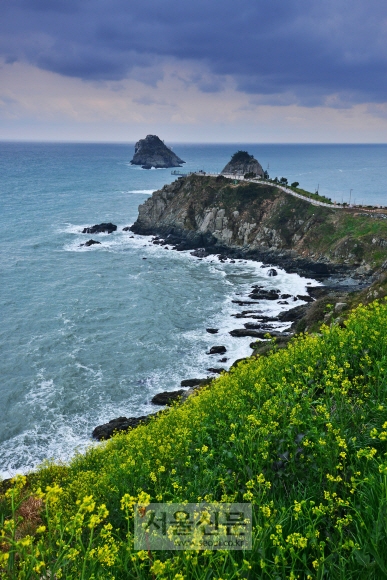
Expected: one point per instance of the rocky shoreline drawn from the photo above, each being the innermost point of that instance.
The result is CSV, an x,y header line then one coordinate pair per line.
x,y
257,326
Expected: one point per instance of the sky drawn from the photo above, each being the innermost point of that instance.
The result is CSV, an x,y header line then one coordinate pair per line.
x,y
202,71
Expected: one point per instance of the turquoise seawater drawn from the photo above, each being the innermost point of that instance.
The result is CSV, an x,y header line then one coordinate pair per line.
x,y
90,334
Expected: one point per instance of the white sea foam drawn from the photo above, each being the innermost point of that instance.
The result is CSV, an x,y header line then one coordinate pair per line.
x,y
144,191
59,436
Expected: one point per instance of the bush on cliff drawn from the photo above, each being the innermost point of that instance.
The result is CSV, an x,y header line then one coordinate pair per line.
x,y
241,157
301,433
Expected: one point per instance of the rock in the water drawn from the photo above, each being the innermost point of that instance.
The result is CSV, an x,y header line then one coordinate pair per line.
x,y
272,272
259,325
167,397
242,163
223,360
126,229
217,350
216,370
100,229
120,424
265,295
200,253
212,330
151,152
90,243
240,332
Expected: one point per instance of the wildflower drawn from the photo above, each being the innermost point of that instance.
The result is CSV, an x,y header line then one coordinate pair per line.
x,y
127,502
158,567
266,511
39,566
144,498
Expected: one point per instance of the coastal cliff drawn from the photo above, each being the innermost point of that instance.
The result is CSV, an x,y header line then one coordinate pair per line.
x,y
260,221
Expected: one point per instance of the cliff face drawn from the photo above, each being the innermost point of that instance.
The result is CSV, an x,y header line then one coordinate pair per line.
x,y
151,152
258,220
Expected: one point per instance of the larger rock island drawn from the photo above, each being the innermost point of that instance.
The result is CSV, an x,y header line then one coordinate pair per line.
x,y
152,152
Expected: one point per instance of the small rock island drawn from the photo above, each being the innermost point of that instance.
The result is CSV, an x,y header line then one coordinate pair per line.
x,y
242,163
152,152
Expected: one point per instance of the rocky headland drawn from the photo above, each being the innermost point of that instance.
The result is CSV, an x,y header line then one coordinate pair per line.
x,y
152,152
259,221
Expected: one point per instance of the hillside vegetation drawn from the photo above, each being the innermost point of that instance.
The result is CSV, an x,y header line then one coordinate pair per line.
x,y
300,433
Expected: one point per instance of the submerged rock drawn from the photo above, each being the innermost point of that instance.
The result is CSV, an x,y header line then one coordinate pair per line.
x,y
212,330
151,152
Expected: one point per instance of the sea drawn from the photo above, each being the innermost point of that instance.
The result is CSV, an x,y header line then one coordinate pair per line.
x,y
89,334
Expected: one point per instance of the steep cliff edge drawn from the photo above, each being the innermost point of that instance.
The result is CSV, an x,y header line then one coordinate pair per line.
x,y
260,221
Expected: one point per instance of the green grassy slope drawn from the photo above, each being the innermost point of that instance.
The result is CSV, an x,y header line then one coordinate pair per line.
x,y
301,433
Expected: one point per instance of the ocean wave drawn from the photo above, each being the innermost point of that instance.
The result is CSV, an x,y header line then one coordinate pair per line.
x,y
144,191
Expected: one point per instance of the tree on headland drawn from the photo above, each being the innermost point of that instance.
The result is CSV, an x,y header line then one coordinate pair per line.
x,y
284,181
295,184
241,157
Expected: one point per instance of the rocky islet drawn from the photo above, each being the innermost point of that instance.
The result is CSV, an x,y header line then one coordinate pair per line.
x,y
152,152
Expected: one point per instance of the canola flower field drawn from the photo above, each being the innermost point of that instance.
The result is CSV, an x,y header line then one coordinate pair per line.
x,y
301,434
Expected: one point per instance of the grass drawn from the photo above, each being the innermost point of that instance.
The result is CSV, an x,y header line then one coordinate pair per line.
x,y
300,433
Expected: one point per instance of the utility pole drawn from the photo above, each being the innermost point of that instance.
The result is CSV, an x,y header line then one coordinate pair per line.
x,y
350,194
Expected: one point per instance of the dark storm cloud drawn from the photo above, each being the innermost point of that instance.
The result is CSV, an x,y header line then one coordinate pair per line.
x,y
303,50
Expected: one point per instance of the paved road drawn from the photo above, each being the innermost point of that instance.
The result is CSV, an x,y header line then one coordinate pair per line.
x,y
283,188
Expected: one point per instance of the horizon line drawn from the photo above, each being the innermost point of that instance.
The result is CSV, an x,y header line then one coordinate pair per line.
x,y
87,142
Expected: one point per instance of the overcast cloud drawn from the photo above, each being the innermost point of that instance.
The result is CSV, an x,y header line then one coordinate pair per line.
x,y
306,52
